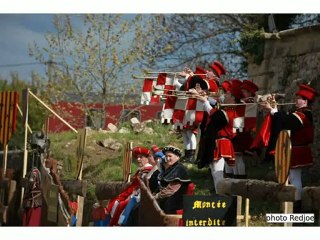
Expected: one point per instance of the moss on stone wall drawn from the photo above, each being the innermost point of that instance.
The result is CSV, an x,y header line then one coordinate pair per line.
x,y
252,44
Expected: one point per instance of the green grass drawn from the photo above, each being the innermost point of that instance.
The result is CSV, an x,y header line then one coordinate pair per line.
x,y
102,165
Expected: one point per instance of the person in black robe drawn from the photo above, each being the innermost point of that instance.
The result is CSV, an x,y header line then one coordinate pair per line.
x,y
174,181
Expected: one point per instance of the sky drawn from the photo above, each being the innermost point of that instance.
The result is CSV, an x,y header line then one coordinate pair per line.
x,y
18,31
22,23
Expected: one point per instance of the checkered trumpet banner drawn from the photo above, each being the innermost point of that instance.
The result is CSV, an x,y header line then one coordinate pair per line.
x,y
147,97
182,111
246,119
8,115
153,88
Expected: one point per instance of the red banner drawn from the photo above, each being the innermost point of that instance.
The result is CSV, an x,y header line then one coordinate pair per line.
x,y
8,115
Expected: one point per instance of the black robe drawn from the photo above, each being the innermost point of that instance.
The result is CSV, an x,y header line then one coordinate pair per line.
x,y
206,150
176,172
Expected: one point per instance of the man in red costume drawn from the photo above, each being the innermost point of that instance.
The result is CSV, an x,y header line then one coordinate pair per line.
x,y
209,84
300,122
244,138
218,148
117,205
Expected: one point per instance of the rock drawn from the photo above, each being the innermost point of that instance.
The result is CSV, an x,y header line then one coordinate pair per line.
x,y
148,122
106,143
148,130
103,131
134,121
139,127
67,145
124,130
111,127
115,146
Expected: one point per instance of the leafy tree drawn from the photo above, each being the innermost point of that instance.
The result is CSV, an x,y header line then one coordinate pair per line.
x,y
199,39
88,57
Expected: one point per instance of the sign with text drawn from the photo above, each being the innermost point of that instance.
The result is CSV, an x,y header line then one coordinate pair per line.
x,y
209,211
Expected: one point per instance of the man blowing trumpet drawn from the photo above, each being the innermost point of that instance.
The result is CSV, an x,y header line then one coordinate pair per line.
x,y
300,122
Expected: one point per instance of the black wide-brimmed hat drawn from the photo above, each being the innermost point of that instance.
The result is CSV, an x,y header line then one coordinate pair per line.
x,y
172,149
197,79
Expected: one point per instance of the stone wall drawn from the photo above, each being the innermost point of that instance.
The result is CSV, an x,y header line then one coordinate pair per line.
x,y
291,57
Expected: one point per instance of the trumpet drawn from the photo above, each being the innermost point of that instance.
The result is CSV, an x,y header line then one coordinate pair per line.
x,y
179,93
176,73
144,77
272,98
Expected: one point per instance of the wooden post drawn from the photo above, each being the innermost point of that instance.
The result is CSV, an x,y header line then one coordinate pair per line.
x,y
25,96
82,139
246,216
287,207
239,210
80,201
126,162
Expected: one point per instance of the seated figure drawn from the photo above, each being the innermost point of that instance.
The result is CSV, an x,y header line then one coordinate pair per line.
x,y
117,205
151,179
174,181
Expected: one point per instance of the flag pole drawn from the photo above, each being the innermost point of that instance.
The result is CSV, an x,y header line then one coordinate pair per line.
x,y
53,112
25,98
5,159
19,109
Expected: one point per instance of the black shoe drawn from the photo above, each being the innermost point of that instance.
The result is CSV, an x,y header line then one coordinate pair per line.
x,y
185,157
201,165
190,158
240,176
228,175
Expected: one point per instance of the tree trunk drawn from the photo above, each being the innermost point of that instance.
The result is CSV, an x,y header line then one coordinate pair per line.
x,y
109,190
310,198
76,187
256,189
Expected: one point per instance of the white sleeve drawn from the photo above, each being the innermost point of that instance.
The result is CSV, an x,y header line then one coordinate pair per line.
x,y
178,85
274,110
207,106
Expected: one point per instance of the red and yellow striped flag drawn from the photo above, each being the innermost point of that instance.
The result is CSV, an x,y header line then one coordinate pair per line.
x,y
8,115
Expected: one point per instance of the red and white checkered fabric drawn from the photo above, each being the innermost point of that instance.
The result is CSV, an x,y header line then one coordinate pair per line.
x,y
147,97
162,84
246,119
182,111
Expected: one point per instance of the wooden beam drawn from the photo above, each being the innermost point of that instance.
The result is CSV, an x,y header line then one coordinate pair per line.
x,y
310,198
109,190
4,183
76,187
256,189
